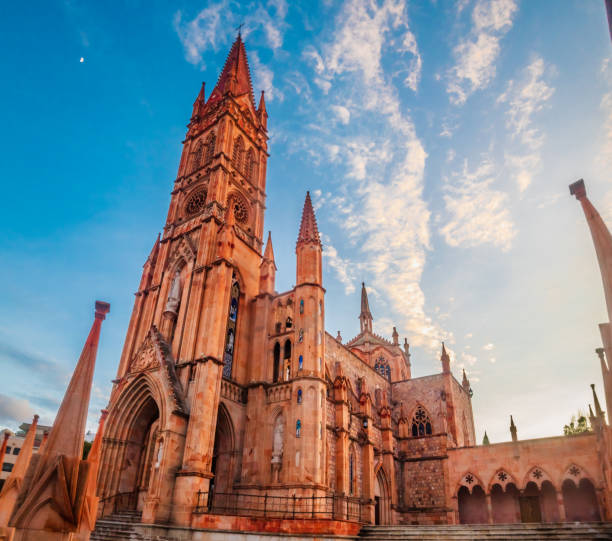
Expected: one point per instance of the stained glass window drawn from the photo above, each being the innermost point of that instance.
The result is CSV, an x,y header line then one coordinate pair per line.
x,y
300,362
298,428
299,396
228,357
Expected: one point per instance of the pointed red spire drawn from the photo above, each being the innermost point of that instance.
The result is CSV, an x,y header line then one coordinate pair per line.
x,y
308,228
199,103
235,77
261,111
445,358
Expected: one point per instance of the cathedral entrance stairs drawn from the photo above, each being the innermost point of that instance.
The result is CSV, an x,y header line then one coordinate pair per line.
x,y
491,532
117,527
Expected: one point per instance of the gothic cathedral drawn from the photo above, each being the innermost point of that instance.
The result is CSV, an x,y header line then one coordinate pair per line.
x,y
228,390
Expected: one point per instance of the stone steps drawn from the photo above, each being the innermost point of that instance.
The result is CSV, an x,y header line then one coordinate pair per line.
x,y
117,527
489,532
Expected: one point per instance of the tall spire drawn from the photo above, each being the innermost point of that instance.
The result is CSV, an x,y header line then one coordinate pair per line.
x,y
269,251
309,231
236,76
365,317
262,112
267,269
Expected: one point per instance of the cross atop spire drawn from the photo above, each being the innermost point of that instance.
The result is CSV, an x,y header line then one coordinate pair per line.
x,y
236,76
365,317
309,231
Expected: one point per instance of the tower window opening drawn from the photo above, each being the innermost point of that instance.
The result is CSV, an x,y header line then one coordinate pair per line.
x,y
277,365
289,323
299,396
298,428
301,306
228,356
197,157
210,147
421,424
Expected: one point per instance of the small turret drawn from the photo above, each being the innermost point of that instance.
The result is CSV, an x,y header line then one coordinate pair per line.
x,y
267,269
262,113
513,429
395,337
465,383
598,411
198,105
445,358
365,317
339,337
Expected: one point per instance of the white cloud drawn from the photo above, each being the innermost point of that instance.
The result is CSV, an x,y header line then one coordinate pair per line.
x,y
524,100
263,78
14,411
344,268
488,347
476,54
477,213
341,113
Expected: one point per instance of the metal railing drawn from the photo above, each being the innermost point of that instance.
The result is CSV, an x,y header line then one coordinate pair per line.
x,y
122,501
286,507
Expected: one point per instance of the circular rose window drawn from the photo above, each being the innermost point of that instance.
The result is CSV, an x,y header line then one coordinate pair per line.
x,y
238,205
195,203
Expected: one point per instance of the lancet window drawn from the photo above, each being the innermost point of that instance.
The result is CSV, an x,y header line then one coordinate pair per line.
x,y
277,363
299,396
421,424
351,470
249,165
287,360
300,362
383,368
228,357
298,428
197,157
210,147
238,154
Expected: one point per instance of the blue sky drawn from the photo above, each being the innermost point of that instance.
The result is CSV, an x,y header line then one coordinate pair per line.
x,y
437,138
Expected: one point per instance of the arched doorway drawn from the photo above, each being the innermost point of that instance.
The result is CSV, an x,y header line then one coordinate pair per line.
x,y
143,451
472,507
580,501
382,508
505,504
223,453
530,503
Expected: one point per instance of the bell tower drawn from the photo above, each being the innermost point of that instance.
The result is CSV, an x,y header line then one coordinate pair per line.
x,y
191,319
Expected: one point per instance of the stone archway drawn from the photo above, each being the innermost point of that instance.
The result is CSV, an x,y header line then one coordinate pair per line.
x,y
472,506
505,504
580,501
223,454
382,500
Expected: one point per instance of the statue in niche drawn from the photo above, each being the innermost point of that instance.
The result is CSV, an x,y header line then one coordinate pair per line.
x,y
277,449
174,297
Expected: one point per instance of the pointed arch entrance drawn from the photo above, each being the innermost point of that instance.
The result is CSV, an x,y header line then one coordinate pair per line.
x,y
382,500
222,466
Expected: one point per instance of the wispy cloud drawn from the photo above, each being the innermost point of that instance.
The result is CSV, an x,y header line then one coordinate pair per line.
x,y
14,411
477,213
215,25
386,218
475,55
525,98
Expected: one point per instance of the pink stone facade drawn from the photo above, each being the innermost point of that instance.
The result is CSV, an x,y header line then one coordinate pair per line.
x,y
228,390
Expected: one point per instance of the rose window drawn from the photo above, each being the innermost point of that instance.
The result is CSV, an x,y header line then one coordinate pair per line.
x,y
240,209
196,203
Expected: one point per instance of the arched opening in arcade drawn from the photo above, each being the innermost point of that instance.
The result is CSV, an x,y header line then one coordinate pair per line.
x,y
580,501
222,461
505,504
539,504
382,501
472,506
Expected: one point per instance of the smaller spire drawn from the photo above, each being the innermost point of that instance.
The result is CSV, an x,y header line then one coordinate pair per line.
x,y
7,435
513,429
262,113
365,317
445,358
269,251
395,337
308,226
198,104
485,440
45,437
339,337
592,417
598,411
